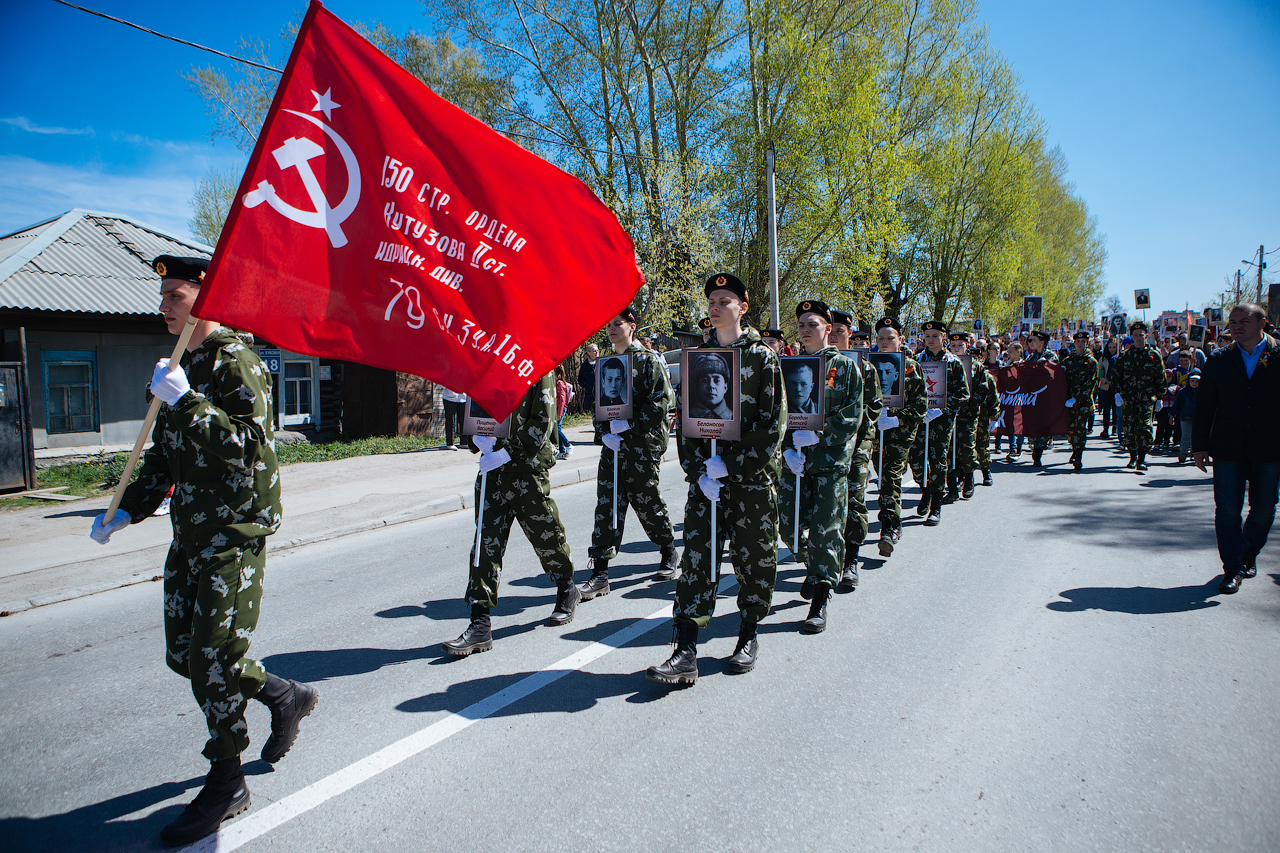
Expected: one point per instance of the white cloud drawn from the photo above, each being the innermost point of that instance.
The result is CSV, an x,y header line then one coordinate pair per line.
x,y
23,123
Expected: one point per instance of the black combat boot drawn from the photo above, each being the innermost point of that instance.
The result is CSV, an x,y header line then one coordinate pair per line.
x,y
670,568
598,584
1035,457
986,476
817,621
1133,460
935,515
744,654
682,666
1142,462
567,598
967,491
477,638
1077,459
889,537
849,579
289,702
953,490
224,795
926,497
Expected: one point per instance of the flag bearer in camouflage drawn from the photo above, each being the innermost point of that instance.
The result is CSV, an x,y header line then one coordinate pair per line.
x,y
213,443
984,388
1139,379
1036,351
639,444
897,428
518,488
962,460
1082,380
741,481
855,528
938,424
819,463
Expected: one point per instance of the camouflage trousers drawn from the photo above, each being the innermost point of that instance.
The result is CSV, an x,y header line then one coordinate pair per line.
x,y
855,528
824,510
889,492
939,454
1078,417
748,517
211,604
638,489
966,455
1137,424
523,494
982,445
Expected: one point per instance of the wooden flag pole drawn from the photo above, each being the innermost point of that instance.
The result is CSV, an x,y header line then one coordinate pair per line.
x,y
174,360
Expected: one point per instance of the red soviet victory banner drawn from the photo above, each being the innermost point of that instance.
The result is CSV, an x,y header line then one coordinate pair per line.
x,y
380,224
1033,398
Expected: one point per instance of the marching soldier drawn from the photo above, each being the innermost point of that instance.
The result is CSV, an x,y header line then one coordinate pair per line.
x,y
984,388
1082,379
963,460
855,529
775,340
518,488
819,464
213,443
704,326
739,482
938,425
639,444
841,329
1036,352
1139,379
897,430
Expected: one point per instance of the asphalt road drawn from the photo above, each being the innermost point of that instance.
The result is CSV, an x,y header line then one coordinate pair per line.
x,y
1052,667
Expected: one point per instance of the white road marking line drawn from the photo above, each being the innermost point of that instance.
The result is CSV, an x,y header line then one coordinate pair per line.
x,y
257,824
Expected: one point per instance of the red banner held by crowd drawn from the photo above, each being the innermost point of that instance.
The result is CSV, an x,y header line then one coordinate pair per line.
x,y
380,224
1033,398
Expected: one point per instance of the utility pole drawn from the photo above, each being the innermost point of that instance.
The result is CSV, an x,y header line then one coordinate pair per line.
x,y
1262,265
1237,287
769,156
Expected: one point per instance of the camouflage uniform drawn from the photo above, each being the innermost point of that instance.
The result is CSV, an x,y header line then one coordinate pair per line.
x,y
824,492
965,460
1082,380
521,490
939,430
638,460
897,442
1139,378
748,505
216,447
855,529
984,388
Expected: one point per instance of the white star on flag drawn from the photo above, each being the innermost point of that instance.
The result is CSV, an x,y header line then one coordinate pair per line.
x,y
325,103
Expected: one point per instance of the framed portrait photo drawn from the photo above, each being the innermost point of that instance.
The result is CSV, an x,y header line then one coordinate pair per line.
x,y
476,421
803,377
967,361
1142,299
1033,310
711,393
614,388
891,367
935,383
1195,336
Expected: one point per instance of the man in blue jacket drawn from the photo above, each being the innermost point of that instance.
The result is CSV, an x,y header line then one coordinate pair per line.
x,y
1237,424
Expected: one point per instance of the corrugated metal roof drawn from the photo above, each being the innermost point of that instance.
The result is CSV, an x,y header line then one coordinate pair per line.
x,y
86,261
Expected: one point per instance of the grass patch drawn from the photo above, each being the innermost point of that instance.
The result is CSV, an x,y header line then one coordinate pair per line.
x,y
292,454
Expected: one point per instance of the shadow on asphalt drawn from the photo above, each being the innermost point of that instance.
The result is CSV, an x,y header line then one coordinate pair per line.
x,y
1138,600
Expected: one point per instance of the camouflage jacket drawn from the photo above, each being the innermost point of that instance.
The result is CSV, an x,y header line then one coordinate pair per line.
x,y
532,424
216,447
987,395
843,393
652,399
916,401
1138,375
753,458
957,383
971,408
1082,378
872,405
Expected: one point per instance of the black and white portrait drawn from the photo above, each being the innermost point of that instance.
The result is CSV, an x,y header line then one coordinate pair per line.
x,y
1142,299
477,421
1032,310
1118,326
613,388
889,366
802,377
710,394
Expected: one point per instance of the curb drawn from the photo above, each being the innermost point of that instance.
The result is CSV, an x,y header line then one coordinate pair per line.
x,y
439,506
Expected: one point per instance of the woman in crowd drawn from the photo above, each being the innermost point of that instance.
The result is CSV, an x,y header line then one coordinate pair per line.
x,y
1106,395
564,393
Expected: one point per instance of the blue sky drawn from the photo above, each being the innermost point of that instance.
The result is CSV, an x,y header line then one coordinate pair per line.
x,y
1165,111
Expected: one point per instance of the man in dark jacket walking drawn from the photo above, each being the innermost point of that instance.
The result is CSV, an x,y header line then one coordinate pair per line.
x,y
1237,424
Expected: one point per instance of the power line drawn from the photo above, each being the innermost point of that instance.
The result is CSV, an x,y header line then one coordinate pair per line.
x,y
170,38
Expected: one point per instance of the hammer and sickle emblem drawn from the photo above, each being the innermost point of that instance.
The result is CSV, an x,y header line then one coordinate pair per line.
x,y
297,153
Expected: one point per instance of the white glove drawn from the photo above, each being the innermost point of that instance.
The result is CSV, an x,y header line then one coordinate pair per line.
x,y
1159,405
932,414
101,533
794,460
484,442
1119,400
804,438
618,427
489,461
886,421
612,442
710,487
1071,401
169,385
716,469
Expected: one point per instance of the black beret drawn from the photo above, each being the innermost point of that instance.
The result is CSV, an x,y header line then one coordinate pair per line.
x,y
704,323
1138,324
184,269
838,316
1079,335
725,281
859,335
1041,335
628,314
958,336
814,306
888,323
776,334
934,326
